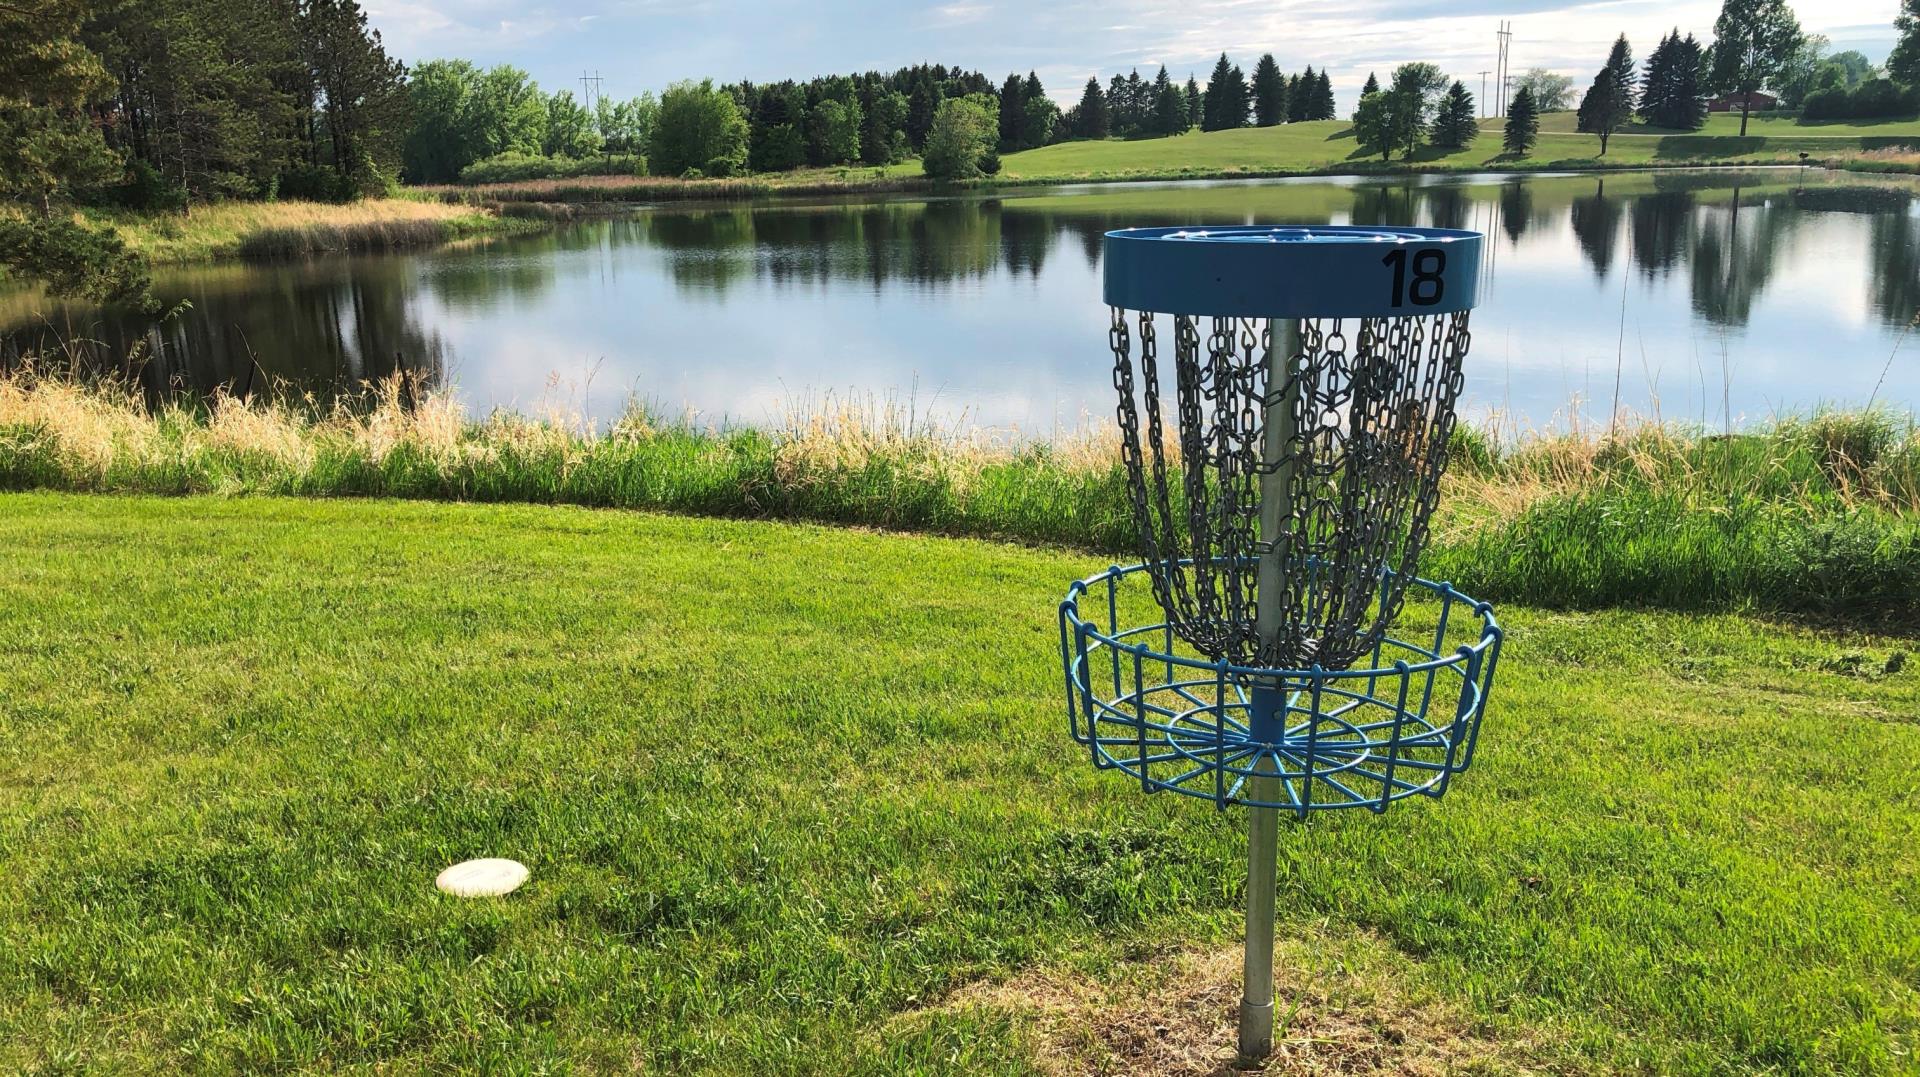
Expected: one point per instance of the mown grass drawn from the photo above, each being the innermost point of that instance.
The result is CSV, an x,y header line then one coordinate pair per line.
x,y
1329,147
800,800
288,229
1815,515
1320,148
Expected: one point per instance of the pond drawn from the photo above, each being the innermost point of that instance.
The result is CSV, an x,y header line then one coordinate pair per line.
x,y
1707,296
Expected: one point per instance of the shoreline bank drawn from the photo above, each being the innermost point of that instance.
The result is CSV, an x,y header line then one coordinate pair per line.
x,y
430,216
1816,516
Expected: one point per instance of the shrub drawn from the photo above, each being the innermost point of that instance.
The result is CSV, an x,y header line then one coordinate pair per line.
x,y
960,142
1872,99
517,167
146,189
314,183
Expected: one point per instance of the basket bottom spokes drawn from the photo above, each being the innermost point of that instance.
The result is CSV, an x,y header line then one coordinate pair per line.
x,y
1361,751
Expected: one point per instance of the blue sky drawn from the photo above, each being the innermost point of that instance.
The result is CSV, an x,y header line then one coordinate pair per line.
x,y
640,45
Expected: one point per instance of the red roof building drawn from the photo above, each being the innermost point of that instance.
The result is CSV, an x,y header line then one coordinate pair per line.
x,y
1756,102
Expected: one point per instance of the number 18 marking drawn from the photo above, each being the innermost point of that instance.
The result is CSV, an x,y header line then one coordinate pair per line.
x,y
1427,286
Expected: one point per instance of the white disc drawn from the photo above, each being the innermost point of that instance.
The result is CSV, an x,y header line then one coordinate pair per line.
x,y
488,877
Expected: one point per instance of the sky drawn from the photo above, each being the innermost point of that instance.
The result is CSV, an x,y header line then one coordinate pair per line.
x,y
637,45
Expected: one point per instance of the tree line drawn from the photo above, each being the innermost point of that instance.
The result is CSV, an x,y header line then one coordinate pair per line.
x,y
1132,107
162,104
1419,106
244,98
1758,45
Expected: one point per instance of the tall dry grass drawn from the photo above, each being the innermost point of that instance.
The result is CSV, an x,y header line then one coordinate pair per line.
x,y
671,188
276,229
1816,513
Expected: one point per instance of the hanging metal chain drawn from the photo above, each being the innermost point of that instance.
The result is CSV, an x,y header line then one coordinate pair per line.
x,y
1372,416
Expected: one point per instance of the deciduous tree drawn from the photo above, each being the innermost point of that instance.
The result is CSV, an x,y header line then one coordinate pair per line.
x,y
1753,40
962,136
1903,64
1602,112
571,131
1552,91
699,128
1373,124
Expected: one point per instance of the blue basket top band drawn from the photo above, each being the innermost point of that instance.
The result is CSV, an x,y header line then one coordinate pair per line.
x,y
1322,271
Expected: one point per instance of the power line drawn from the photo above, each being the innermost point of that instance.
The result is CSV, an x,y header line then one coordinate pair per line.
x,y
1483,92
590,88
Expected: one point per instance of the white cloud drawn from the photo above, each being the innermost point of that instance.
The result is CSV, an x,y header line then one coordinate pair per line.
x,y
652,42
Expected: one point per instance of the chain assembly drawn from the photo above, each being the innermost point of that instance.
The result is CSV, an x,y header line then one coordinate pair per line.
x,y
1366,421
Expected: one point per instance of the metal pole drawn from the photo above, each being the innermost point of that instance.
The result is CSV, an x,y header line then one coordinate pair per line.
x,y
1263,824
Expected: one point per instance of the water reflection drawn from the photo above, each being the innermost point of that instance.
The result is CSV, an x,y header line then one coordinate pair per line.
x,y
991,304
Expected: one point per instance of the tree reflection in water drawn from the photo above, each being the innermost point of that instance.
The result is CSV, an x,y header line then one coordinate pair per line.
x,y
327,323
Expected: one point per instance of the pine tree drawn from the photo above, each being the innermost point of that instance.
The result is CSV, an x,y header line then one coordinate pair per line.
x,y
1219,91
1138,103
1455,127
1523,124
1620,62
1372,86
1323,98
1093,111
1300,95
1196,103
51,149
1013,108
365,92
1038,114
1269,93
1670,84
1169,106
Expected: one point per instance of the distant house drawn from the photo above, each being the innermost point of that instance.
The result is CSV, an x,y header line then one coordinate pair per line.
x,y
1756,102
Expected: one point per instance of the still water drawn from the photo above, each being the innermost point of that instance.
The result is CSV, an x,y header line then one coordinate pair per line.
x,y
1713,297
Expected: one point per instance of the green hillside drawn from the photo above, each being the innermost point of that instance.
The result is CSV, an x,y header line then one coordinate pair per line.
x,y
1329,146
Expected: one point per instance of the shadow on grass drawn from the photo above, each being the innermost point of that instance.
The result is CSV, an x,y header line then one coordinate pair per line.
x,y
1684,147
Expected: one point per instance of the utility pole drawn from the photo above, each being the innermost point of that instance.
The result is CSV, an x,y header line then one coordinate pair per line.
x,y
1505,37
590,89
1483,92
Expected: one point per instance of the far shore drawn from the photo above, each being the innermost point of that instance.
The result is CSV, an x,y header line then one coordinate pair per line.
x,y
429,215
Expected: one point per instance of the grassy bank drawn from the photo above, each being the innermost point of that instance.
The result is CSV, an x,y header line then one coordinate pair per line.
x,y
1301,149
1329,147
800,800
285,229
1818,515
577,189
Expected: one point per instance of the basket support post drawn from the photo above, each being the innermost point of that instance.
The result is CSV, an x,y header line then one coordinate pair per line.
x,y
1268,719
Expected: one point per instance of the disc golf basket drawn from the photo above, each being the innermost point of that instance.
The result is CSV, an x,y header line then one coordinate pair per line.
x,y
1282,469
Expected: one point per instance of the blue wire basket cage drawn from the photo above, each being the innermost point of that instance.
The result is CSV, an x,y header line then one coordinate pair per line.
x,y
1143,703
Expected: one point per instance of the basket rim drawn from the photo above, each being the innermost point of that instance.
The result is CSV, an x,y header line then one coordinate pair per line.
x,y
1082,629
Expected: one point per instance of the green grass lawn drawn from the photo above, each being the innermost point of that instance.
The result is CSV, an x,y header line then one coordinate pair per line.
x,y
1329,145
801,799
